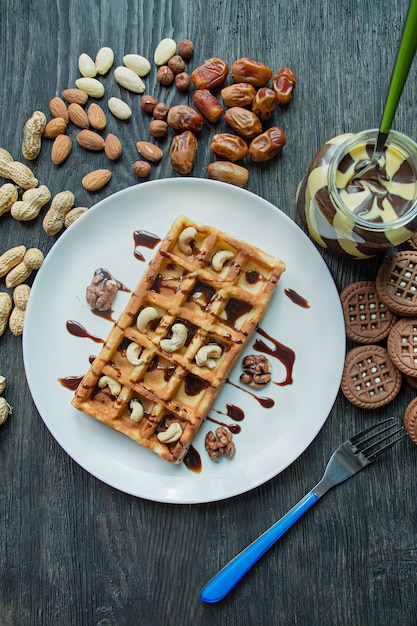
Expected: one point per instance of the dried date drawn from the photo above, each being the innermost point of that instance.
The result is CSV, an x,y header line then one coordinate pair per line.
x,y
247,70
265,103
238,95
243,122
210,74
183,117
227,172
228,146
183,151
266,145
284,84
208,105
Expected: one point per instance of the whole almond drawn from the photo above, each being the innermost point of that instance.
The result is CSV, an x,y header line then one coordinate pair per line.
x,y
78,116
96,116
91,86
128,79
112,147
56,126
58,108
74,95
120,109
104,60
61,149
149,151
86,65
90,140
96,179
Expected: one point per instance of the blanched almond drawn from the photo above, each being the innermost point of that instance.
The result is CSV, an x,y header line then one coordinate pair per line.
x,y
164,51
137,63
90,140
91,86
128,79
104,60
120,109
96,179
61,149
86,65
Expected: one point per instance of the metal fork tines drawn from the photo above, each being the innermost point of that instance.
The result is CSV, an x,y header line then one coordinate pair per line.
x,y
352,456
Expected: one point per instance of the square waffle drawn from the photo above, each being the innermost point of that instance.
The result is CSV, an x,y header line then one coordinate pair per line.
x,y
172,348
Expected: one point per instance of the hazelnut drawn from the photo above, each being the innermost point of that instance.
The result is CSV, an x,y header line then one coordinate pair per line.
x,y
160,111
142,169
165,76
158,128
186,49
147,103
176,64
182,81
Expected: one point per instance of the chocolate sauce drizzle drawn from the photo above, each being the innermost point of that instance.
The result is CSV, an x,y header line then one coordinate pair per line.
x,y
266,403
283,353
76,329
144,239
296,298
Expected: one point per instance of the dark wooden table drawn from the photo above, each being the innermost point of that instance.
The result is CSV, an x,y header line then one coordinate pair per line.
x,y
74,550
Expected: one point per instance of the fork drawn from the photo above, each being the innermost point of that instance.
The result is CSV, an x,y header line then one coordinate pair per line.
x,y
352,456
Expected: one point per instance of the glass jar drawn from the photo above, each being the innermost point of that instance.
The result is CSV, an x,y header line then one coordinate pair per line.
x,y
356,216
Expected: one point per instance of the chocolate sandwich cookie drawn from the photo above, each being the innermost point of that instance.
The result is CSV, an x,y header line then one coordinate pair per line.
x,y
410,420
367,319
402,345
396,282
370,379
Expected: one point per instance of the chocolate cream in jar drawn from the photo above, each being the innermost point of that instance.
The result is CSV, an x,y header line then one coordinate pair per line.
x,y
354,216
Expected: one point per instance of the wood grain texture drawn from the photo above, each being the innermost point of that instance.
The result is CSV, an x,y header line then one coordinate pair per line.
x,y
75,551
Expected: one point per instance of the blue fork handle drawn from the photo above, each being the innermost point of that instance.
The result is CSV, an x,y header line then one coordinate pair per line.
x,y
228,577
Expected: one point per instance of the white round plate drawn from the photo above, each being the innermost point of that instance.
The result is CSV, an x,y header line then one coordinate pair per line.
x,y
270,439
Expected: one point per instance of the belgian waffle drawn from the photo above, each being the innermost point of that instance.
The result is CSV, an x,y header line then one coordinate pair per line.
x,y
156,384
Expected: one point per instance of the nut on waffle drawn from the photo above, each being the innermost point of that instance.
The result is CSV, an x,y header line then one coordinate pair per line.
x,y
174,345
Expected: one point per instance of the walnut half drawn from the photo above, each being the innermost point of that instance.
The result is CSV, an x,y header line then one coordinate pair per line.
x,y
219,444
102,291
256,370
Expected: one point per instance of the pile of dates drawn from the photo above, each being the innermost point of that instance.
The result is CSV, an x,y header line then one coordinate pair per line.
x,y
246,105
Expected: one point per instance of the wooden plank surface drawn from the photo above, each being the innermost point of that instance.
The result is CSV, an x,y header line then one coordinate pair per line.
x,y
76,551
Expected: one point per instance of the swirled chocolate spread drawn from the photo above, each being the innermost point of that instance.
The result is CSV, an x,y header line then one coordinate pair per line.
x,y
381,194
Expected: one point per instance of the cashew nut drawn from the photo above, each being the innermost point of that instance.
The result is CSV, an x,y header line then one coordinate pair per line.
x,y
219,259
114,386
171,434
147,314
136,408
178,339
133,352
185,239
208,355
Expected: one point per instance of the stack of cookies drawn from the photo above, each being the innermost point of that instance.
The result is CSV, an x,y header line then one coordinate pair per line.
x,y
381,316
